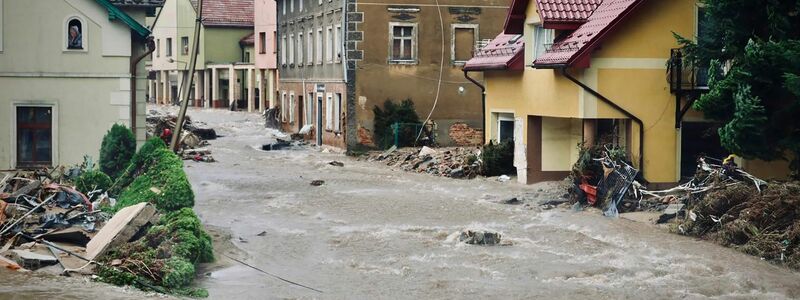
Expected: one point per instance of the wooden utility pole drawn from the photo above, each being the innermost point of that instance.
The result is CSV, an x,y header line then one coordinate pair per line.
x,y
176,134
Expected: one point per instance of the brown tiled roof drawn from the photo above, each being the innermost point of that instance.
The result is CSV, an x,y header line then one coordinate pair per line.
x,y
227,13
566,10
575,48
248,40
505,52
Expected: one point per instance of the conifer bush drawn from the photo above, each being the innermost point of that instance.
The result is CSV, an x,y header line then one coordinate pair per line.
x,y
116,151
92,180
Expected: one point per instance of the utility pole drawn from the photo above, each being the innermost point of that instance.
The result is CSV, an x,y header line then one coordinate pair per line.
x,y
176,134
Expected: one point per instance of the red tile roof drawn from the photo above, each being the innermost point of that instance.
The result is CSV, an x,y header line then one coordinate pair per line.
x,y
574,49
515,20
566,10
227,13
505,52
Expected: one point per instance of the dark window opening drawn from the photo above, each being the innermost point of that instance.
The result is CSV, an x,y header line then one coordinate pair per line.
x,y
75,35
506,132
34,137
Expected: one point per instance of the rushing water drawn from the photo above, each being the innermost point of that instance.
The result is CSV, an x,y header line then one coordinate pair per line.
x,y
370,232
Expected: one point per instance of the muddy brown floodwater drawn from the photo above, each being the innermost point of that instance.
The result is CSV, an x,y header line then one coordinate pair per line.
x,y
369,232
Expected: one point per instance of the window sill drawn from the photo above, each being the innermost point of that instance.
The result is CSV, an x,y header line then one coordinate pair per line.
x,y
75,51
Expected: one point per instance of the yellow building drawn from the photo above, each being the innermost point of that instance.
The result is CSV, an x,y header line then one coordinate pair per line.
x,y
599,71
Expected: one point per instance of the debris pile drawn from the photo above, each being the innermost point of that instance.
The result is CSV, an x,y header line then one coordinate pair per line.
x,y
603,178
193,136
454,162
45,223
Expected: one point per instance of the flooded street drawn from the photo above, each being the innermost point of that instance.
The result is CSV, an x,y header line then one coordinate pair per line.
x,y
369,232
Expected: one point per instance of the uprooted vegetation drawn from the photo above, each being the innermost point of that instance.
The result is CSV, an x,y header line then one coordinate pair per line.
x,y
164,258
755,217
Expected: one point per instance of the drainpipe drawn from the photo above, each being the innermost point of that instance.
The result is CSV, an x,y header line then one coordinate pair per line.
x,y
618,108
151,47
483,102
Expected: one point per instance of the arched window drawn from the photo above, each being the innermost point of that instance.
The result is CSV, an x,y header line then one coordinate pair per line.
x,y
74,34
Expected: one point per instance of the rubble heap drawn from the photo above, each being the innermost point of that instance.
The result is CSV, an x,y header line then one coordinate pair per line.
x,y
194,135
43,217
455,162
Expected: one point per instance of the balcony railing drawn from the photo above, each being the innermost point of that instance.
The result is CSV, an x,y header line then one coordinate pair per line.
x,y
685,75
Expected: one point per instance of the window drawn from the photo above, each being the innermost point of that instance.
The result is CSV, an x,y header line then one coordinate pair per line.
x,y
274,42
318,46
291,49
262,42
542,38
300,51
1,25
169,47
284,107
291,5
292,105
403,42
337,111
310,48
329,111
34,134
329,45
75,38
463,42
283,6
505,127
283,50
246,57
337,43
185,45
309,111
300,3
158,48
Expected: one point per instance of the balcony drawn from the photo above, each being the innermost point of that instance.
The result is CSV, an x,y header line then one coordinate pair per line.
x,y
685,76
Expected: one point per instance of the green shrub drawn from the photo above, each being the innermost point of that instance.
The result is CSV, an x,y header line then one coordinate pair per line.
x,y
178,273
189,238
393,113
116,151
162,182
498,159
92,180
146,155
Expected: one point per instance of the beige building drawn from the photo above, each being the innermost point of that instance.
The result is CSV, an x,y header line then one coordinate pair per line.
x,y
65,77
225,73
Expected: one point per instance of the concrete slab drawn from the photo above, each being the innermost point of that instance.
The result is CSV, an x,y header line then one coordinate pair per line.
x,y
120,229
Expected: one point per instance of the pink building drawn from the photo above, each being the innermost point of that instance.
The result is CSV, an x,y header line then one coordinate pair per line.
x,y
266,49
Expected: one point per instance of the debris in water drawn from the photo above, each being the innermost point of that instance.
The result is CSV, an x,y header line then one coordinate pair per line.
x,y
511,201
479,237
263,233
317,182
336,163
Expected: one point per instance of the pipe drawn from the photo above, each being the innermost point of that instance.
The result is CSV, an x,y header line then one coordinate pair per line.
x,y
618,108
151,47
483,102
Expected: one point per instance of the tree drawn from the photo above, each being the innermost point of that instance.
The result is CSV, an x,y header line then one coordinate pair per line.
x,y
118,147
752,51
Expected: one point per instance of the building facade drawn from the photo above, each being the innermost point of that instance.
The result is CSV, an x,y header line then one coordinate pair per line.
x,y
225,73
73,57
602,72
340,59
266,50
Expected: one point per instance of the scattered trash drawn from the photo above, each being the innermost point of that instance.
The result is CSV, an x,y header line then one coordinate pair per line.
x,y
479,237
511,201
426,151
503,178
263,233
194,135
336,163
281,144
317,182
670,213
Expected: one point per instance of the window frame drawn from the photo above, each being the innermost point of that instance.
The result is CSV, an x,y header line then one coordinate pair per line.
x,y
169,47
308,106
185,48
329,44
292,105
414,47
262,42
158,48
337,122
318,47
1,26
310,50
337,43
283,50
284,107
548,35
329,111
84,35
300,51
290,55
476,37
54,129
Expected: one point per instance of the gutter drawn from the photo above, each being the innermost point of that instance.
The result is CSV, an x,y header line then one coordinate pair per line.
x,y
483,102
151,47
618,108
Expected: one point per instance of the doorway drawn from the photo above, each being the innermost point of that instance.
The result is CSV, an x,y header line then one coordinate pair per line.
x,y
698,139
319,119
34,136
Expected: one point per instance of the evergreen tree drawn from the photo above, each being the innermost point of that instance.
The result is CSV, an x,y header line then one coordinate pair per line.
x,y
752,51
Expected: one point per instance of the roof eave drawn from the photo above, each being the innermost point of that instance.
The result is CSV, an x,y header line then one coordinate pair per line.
x,y
114,13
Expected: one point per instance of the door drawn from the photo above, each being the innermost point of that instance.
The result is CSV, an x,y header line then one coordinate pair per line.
x,y
319,119
34,137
